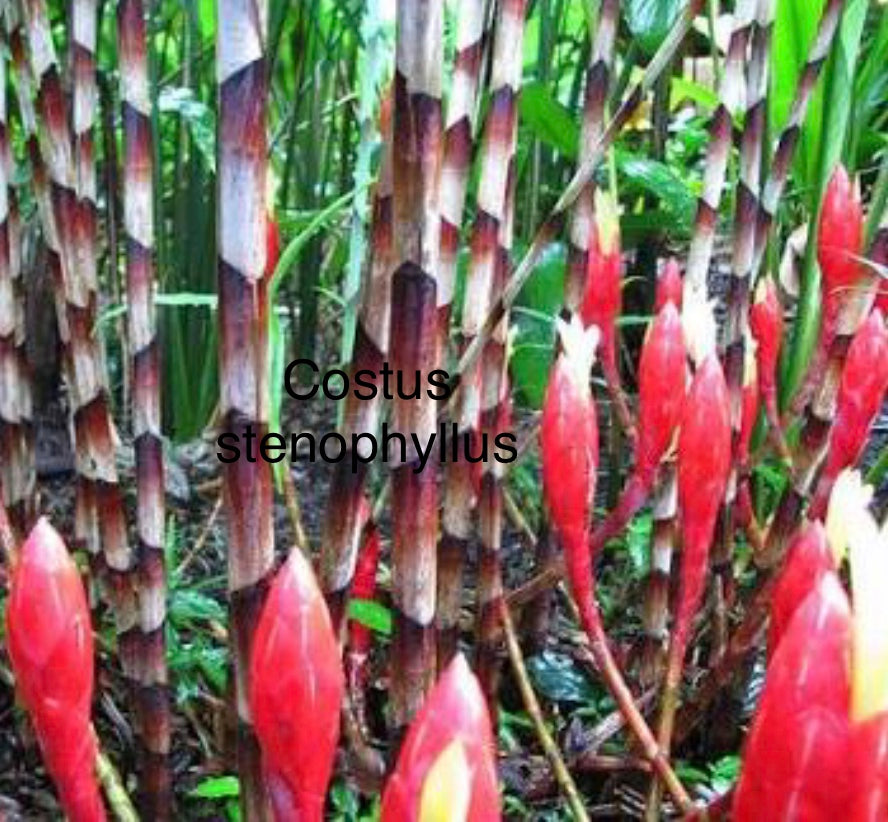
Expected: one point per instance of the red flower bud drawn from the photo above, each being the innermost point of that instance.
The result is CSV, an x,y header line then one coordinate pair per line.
x,y
864,380
601,302
50,642
447,761
569,441
748,412
766,325
661,388
661,393
796,759
808,559
840,237
669,286
704,461
296,687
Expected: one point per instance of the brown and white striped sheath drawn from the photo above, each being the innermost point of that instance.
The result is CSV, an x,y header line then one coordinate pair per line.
x,y
778,173
94,435
344,522
416,168
242,75
718,152
459,141
598,81
495,158
138,218
16,423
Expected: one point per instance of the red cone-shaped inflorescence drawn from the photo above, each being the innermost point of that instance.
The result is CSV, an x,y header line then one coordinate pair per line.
x,y
296,687
601,302
808,559
864,381
796,759
661,388
669,286
869,764
840,238
766,325
446,768
51,647
569,440
704,460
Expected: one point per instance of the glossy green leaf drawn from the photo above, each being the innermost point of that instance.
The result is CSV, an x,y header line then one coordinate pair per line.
x,y
650,21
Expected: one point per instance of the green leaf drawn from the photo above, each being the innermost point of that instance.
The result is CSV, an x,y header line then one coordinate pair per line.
x,y
650,21
189,605
558,678
216,787
659,179
371,614
549,121
196,114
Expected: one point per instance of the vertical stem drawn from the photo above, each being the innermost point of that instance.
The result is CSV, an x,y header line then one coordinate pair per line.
x,y
138,218
414,346
16,440
344,521
243,345
68,231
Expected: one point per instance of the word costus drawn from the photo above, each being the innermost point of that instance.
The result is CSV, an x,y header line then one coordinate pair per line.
x,y
361,449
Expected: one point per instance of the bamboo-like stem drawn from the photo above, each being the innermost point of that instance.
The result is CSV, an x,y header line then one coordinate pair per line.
x,y
459,139
535,712
819,416
718,152
553,222
491,236
781,163
55,181
17,435
495,419
138,218
344,521
414,343
472,38
243,346
656,602
598,80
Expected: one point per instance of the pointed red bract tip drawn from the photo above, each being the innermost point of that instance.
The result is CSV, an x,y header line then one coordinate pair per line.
x,y
795,764
748,417
661,388
569,442
601,301
669,286
50,641
808,558
453,718
840,236
766,325
704,461
296,688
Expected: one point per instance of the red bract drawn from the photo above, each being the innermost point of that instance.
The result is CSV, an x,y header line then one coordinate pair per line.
x,y
748,414
601,302
864,380
661,374
840,237
447,760
704,459
569,440
796,759
50,642
272,244
766,325
669,286
296,687
808,559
